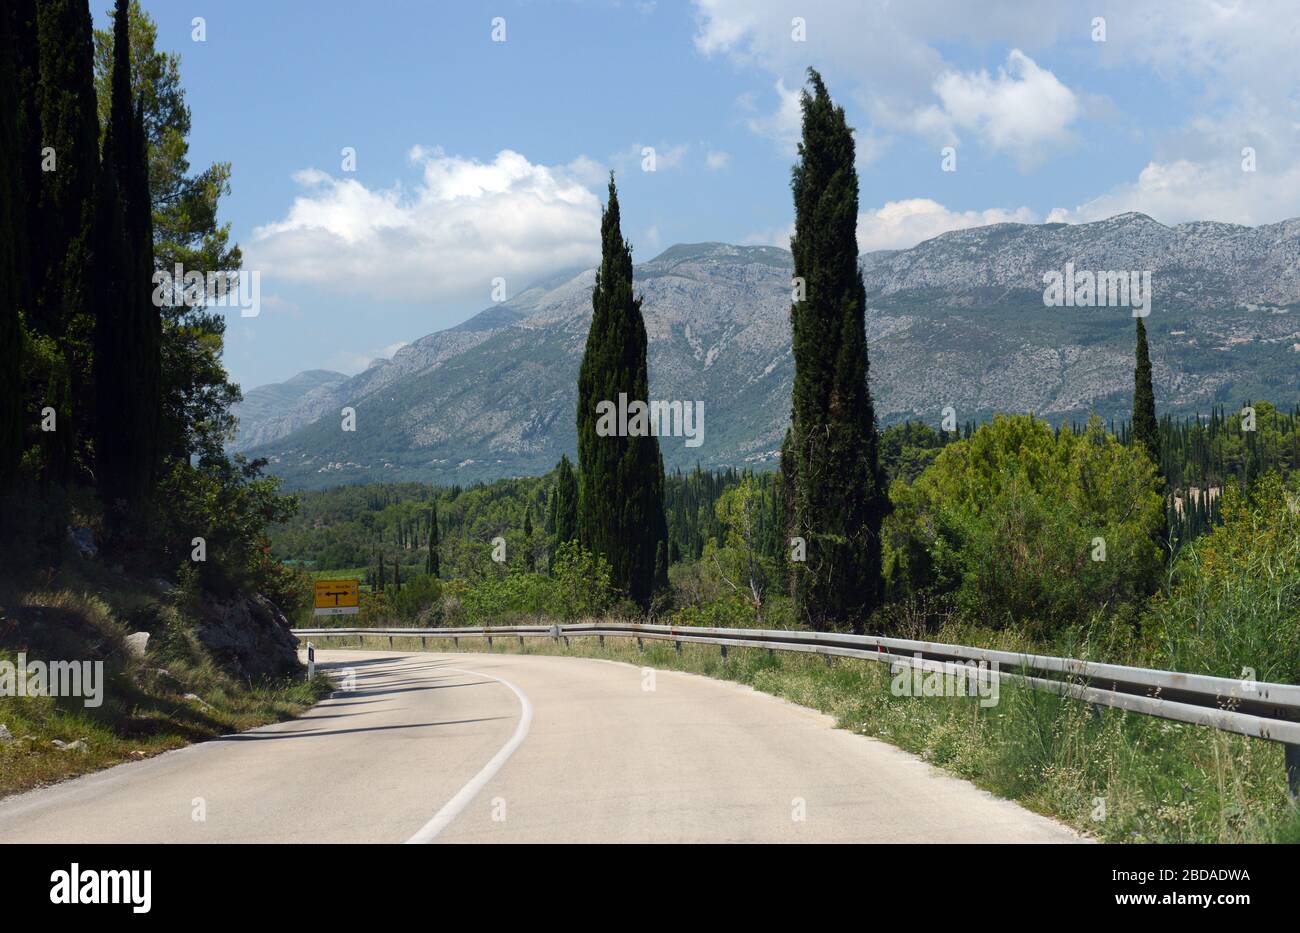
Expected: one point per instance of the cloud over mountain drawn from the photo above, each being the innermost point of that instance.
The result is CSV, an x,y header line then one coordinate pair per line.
x,y
463,224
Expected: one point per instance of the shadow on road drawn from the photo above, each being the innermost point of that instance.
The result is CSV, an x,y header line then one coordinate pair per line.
x,y
318,733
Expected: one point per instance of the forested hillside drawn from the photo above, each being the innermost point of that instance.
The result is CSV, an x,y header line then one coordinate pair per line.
x,y
380,532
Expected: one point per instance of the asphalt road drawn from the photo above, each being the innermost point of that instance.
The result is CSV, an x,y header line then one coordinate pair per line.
x,y
518,748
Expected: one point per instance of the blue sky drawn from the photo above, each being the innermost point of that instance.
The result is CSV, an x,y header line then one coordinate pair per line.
x,y
478,159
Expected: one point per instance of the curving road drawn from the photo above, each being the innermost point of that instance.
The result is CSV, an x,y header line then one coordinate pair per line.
x,y
510,748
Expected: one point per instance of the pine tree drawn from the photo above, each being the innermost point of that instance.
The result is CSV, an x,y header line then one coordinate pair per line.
x,y
12,268
620,483
431,561
834,486
1145,429
128,329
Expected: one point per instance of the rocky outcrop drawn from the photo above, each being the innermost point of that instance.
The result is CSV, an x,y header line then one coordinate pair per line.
x,y
250,637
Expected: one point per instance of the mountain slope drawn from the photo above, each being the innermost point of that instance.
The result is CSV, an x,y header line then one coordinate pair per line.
x,y
958,320
266,413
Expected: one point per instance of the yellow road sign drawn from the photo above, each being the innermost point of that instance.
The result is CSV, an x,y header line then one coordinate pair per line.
x,y
337,597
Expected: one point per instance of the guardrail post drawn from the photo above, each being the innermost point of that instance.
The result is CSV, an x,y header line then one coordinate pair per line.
x,y
678,646
489,642
566,641
724,652
830,661
601,640
1291,755
390,641
361,640
455,641
424,641
521,641
640,645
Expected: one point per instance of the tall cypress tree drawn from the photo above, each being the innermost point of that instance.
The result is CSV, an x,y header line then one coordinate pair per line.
x,y
12,268
620,483
530,559
834,485
1146,430
128,332
565,518
27,164
431,565
70,136
28,229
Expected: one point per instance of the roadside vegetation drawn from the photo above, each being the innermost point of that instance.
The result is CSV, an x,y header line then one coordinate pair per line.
x,y
127,537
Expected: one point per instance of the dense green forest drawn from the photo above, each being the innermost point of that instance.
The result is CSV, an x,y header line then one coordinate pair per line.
x,y
944,540
349,527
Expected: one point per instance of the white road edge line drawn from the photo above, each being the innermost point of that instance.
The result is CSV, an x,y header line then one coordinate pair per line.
x,y
453,807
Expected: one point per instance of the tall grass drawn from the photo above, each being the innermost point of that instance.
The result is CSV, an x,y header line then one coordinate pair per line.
x,y
1235,605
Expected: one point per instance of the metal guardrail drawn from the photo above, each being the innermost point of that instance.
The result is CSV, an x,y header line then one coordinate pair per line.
x,y
1268,711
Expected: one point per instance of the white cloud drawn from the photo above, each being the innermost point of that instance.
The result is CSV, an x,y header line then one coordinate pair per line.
x,y
902,224
1235,46
1183,190
465,223
1246,70
1230,64
1022,110
784,125
717,160
588,171
882,56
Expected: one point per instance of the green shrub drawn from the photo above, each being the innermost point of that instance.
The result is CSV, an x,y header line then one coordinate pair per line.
x,y
1010,523
578,586
417,596
727,611
583,583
